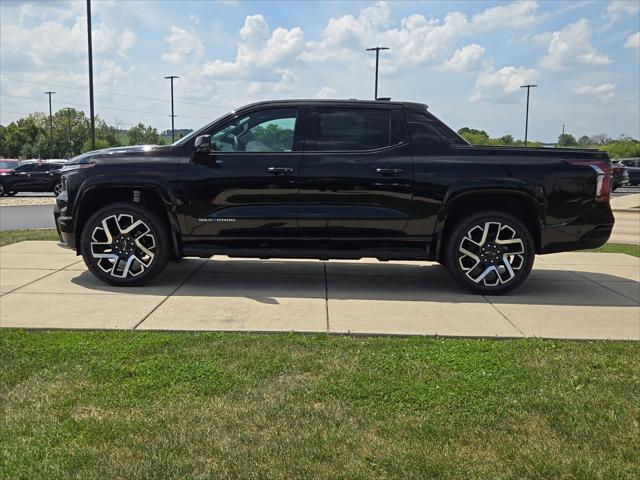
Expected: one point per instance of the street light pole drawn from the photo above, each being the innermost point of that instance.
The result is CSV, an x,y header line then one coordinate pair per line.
x,y
93,120
526,122
377,50
173,131
70,142
50,125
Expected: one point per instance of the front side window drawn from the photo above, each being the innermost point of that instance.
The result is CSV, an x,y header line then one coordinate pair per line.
x,y
261,131
339,129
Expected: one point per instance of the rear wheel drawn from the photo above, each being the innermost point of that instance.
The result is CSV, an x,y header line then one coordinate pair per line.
x,y
490,253
125,244
57,188
3,190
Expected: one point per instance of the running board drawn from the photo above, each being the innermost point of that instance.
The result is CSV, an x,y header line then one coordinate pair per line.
x,y
317,254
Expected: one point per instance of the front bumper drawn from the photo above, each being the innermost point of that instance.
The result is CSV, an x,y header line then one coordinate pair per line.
x,y
64,226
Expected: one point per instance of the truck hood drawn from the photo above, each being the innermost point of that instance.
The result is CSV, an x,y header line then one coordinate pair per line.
x,y
115,154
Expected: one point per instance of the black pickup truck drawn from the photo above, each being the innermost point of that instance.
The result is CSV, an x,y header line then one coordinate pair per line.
x,y
333,180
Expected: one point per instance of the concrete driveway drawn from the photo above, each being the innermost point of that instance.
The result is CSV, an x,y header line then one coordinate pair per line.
x,y
571,295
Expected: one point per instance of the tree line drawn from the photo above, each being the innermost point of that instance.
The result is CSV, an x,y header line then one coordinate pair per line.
x,y
622,147
29,137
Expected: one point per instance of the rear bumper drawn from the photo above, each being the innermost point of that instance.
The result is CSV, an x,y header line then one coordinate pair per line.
x,y
590,230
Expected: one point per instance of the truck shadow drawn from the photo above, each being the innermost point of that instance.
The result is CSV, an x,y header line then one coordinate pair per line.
x,y
266,281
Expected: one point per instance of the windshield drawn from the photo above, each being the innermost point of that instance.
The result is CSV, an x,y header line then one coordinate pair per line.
x,y
8,164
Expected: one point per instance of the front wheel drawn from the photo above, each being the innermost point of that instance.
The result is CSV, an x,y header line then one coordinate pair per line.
x,y
57,189
125,244
490,253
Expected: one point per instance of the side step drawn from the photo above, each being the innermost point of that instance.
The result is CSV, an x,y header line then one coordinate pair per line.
x,y
204,251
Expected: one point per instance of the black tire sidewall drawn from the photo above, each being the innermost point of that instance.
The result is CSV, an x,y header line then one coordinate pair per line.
x,y
158,228
461,229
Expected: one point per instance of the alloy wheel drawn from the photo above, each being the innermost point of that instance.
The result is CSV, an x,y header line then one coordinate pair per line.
x,y
57,189
123,246
491,253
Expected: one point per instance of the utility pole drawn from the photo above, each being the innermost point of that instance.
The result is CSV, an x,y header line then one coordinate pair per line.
x,y
70,142
173,131
526,122
93,119
50,125
563,128
377,50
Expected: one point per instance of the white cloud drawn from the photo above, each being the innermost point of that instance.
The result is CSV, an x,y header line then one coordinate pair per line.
x,y
259,47
604,92
417,40
571,46
194,18
326,92
500,85
633,41
466,58
515,15
184,46
619,9
127,40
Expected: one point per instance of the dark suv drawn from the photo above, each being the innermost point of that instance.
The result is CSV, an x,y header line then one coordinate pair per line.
x,y
32,176
333,179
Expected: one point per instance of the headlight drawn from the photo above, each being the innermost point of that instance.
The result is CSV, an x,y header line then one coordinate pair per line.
x,y
76,166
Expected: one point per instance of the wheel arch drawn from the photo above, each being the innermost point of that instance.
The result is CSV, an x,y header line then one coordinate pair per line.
x,y
515,201
156,197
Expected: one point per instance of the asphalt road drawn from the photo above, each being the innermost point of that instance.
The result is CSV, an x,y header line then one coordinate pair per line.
x,y
32,216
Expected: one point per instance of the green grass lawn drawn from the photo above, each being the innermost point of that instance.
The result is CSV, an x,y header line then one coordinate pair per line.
x,y
12,236
129,405
7,237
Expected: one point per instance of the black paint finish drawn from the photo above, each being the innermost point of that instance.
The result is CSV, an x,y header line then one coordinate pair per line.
x,y
397,201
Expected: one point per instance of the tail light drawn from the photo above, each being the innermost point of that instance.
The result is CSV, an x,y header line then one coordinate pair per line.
x,y
604,171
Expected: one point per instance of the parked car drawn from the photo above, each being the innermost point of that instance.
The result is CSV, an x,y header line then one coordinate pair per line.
x,y
620,175
32,176
333,179
8,164
633,169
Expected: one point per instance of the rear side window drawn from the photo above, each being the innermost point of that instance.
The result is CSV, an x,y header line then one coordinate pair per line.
x,y
340,129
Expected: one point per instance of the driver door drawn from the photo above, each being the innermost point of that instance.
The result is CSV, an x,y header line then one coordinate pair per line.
x,y
247,184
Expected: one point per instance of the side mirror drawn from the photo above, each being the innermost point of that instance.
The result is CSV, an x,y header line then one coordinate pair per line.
x,y
203,143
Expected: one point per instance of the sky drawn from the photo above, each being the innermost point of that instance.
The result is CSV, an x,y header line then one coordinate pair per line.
x,y
465,59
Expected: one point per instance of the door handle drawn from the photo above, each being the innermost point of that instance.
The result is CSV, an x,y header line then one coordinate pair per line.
x,y
279,170
388,171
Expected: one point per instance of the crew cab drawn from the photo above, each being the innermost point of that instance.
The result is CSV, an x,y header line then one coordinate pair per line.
x,y
329,179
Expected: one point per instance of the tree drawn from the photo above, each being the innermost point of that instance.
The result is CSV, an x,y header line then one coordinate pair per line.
x,y
567,140
142,134
507,139
584,141
622,147
599,139
473,136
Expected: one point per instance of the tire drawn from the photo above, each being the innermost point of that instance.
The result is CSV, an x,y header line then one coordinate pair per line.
x,y
2,190
129,256
474,259
57,189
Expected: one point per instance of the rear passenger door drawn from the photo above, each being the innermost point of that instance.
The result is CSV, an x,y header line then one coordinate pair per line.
x,y
356,178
